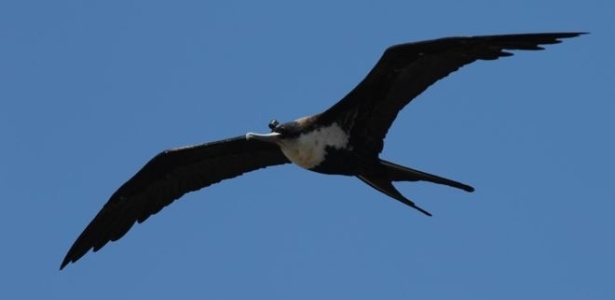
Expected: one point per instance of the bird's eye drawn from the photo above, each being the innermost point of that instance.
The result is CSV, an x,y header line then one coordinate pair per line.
x,y
273,124
281,129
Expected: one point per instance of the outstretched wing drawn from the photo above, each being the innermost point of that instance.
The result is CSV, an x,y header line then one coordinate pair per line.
x,y
165,178
404,71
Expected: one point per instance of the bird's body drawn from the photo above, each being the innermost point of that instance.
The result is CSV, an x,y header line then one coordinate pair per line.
x,y
346,139
310,149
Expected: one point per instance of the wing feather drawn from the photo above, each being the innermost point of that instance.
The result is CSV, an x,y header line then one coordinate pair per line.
x,y
167,177
406,70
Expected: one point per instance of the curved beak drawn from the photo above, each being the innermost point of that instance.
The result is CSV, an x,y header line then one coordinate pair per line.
x,y
272,137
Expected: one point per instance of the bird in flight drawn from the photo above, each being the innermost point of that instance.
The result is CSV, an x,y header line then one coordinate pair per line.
x,y
345,139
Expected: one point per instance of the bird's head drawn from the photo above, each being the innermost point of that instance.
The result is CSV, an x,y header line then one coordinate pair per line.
x,y
278,132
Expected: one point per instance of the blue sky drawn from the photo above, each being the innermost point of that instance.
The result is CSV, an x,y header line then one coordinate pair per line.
x,y
92,90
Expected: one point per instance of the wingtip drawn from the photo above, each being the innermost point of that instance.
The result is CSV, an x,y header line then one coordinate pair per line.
x,y
566,35
64,263
558,37
572,34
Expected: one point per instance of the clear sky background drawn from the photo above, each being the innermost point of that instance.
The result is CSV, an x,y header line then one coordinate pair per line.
x,y
91,90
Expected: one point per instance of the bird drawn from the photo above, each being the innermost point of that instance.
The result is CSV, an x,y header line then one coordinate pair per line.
x,y
345,139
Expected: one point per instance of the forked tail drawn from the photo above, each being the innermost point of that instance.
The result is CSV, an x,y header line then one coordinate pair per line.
x,y
401,173
385,186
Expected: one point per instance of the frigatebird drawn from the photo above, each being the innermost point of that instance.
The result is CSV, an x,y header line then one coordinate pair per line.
x,y
346,139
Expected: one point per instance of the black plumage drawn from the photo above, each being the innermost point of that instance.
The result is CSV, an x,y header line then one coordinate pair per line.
x,y
346,139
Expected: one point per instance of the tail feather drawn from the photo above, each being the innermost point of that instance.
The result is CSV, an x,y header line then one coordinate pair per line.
x,y
385,186
401,173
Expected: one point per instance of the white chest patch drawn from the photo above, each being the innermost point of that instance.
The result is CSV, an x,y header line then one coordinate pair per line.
x,y
309,150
